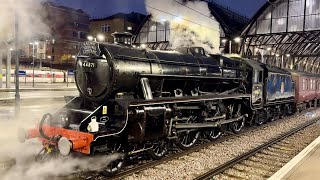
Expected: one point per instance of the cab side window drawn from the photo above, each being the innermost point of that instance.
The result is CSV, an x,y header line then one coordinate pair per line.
x,y
258,76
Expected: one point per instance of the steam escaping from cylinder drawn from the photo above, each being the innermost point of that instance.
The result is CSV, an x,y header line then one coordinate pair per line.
x,y
191,23
59,168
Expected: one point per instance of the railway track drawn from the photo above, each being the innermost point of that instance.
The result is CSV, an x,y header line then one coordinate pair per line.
x,y
263,161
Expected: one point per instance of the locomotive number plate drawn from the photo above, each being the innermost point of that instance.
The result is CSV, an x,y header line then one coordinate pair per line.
x,y
89,64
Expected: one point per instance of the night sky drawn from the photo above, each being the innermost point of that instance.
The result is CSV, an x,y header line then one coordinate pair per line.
x,y
104,8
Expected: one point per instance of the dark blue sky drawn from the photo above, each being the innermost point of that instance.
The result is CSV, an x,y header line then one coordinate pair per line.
x,y
103,8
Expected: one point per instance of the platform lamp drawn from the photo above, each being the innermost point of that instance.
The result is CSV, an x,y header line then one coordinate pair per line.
x,y
52,57
33,56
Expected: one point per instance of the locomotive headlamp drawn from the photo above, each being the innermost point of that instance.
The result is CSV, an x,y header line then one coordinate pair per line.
x,y
64,146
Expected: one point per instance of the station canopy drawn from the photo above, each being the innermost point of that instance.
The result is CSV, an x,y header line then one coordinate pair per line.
x,y
285,33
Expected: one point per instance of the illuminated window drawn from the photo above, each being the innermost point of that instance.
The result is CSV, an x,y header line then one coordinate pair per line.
x,y
105,28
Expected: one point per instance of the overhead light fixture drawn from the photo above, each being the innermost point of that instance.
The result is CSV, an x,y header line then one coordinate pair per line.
x,y
288,55
224,40
143,46
237,39
269,49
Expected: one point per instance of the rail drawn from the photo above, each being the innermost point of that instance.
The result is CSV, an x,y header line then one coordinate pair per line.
x,y
237,160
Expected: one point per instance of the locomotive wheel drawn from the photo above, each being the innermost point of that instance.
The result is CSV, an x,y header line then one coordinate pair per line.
x,y
259,121
114,167
187,139
237,126
159,150
214,134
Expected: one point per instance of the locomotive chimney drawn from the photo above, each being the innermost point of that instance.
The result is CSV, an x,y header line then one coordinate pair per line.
x,y
123,38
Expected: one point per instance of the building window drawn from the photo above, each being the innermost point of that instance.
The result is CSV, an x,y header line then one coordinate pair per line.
x,y
41,45
83,35
129,28
105,28
75,34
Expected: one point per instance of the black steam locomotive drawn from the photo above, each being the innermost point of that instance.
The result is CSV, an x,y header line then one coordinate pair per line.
x,y
134,100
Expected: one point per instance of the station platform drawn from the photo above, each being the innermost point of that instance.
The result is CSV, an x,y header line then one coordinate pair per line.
x,y
304,166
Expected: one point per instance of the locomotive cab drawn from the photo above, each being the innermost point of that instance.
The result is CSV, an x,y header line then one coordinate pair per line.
x,y
254,77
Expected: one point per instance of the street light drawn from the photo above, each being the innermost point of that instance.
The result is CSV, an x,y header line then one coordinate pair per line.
x,y
33,54
52,57
90,38
101,37
224,40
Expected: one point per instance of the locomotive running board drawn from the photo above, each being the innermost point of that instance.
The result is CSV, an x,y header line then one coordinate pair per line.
x,y
183,99
218,76
207,125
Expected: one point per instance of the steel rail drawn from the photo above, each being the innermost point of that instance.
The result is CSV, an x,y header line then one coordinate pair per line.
x,y
237,160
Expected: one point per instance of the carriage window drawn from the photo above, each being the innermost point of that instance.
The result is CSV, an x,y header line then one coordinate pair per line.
x,y
304,84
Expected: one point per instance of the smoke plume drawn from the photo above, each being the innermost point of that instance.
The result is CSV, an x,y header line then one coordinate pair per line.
x,y
191,23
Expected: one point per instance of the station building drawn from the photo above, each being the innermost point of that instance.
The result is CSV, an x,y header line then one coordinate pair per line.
x,y
285,33
68,28
119,22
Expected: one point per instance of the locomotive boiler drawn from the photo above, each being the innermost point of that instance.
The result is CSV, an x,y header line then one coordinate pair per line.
x,y
152,74
134,100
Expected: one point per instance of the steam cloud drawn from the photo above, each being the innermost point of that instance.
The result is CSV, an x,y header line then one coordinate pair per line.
x,y
30,18
191,24
24,153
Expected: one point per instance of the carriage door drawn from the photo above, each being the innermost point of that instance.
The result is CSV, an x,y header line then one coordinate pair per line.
x,y
257,87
